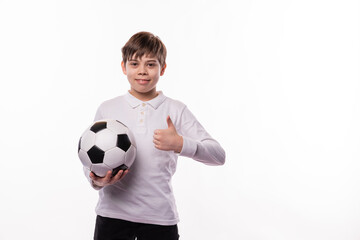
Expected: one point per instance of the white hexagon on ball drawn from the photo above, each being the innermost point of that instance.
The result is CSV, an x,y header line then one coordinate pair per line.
x,y
105,139
87,140
130,156
113,156
84,158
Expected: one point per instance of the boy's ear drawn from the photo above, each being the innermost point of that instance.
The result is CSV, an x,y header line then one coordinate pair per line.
x,y
163,70
123,67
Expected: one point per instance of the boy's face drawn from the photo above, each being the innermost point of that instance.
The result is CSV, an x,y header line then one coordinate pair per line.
x,y
143,75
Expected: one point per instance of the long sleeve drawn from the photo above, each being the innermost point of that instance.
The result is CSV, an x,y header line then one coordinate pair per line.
x,y
198,144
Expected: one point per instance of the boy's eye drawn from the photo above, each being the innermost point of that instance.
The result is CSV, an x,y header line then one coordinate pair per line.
x,y
133,63
153,64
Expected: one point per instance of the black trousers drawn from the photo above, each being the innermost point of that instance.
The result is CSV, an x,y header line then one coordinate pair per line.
x,y
117,229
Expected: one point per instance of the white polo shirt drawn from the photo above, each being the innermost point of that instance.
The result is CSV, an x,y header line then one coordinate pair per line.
x,y
145,194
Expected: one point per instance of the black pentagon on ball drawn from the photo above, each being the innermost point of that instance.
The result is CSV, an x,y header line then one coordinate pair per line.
x,y
123,142
96,155
116,170
98,126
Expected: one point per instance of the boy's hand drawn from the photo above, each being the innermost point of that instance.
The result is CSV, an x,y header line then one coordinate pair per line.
x,y
108,179
168,139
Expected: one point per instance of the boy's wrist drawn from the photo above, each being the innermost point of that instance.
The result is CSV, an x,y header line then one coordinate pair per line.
x,y
180,144
95,185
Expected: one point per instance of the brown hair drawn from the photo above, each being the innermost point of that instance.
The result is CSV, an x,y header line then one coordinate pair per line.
x,y
144,43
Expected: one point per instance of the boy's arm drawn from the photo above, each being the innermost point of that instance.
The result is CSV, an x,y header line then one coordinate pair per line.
x,y
190,139
207,151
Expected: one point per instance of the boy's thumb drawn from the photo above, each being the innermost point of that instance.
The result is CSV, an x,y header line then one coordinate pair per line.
x,y
169,122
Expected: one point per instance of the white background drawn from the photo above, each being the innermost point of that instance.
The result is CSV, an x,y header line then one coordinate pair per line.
x,y
275,82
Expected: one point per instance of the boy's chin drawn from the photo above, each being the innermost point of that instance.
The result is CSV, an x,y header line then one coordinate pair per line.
x,y
144,92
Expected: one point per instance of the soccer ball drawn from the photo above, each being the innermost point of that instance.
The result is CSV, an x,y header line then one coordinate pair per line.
x,y
107,145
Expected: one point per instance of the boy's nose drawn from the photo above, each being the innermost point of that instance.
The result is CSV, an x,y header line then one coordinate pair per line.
x,y
142,71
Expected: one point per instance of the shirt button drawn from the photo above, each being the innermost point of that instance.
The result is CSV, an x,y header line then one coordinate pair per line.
x,y
143,104
142,113
141,120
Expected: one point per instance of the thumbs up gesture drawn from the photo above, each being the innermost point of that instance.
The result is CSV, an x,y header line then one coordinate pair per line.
x,y
168,139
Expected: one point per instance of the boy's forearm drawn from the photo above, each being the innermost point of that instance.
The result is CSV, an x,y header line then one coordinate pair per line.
x,y
207,151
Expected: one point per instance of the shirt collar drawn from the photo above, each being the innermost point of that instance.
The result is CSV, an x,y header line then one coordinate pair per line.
x,y
155,102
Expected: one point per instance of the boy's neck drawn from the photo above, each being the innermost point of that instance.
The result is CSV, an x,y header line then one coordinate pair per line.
x,y
144,96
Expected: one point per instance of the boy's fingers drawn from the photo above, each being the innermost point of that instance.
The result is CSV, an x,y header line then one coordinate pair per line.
x,y
169,122
124,173
107,177
156,144
93,176
117,176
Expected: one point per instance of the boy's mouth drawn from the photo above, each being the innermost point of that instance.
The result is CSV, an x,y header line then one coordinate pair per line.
x,y
142,81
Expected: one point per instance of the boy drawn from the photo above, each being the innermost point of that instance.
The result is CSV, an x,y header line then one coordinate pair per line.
x,y
139,203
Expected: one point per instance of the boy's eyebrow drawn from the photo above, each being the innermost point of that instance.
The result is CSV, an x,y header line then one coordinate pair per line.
x,y
135,60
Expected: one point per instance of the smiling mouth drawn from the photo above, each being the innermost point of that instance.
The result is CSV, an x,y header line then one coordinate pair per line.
x,y
142,81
